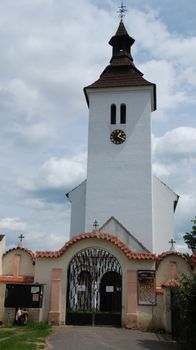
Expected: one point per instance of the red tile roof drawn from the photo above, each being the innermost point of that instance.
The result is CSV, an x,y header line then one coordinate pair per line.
x,y
97,235
160,257
131,255
171,283
16,279
28,251
159,290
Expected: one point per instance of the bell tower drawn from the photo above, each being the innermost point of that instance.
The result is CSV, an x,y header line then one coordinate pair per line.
x,y
119,172
120,193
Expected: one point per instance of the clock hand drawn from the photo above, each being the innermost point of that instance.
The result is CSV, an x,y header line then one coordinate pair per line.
x,y
120,136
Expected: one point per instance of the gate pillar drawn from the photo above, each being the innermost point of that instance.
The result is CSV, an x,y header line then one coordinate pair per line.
x,y
131,317
55,301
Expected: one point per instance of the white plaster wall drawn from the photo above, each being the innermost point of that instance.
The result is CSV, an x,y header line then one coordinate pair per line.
x,y
26,263
113,227
119,180
163,270
77,198
44,266
163,215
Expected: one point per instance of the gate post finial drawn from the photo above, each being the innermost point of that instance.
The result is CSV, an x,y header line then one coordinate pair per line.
x,y
95,225
172,242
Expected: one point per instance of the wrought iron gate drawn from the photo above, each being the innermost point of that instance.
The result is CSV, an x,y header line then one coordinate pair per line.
x,y
94,290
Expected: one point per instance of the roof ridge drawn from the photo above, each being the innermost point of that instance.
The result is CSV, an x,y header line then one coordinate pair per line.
x,y
29,251
99,235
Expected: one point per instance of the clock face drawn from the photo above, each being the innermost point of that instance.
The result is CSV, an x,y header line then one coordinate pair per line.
x,y
117,136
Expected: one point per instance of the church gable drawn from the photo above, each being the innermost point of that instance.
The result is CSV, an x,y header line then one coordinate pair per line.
x,y
161,186
113,226
164,204
19,263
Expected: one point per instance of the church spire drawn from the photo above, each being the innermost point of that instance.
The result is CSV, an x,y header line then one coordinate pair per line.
x,y
121,43
122,72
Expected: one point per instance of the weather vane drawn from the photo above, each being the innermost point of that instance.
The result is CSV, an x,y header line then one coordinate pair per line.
x,y
122,10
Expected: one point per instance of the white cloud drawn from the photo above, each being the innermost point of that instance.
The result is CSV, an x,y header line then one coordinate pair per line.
x,y
182,248
187,207
13,224
24,95
163,73
169,60
37,204
162,43
63,172
179,142
36,132
57,173
174,156
41,240
163,170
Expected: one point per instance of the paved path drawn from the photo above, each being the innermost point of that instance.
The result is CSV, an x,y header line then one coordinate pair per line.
x,y
106,338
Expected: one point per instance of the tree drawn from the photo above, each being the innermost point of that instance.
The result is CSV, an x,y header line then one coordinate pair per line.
x,y
186,296
190,237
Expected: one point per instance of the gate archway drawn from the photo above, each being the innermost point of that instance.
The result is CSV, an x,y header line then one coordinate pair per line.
x,y
94,292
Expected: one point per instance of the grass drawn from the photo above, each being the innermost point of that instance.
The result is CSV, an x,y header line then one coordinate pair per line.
x,y
29,337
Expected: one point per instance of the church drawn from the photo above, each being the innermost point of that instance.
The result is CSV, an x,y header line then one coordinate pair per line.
x,y
120,192
119,265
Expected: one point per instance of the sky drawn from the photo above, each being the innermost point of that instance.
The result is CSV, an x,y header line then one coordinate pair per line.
x,y
50,50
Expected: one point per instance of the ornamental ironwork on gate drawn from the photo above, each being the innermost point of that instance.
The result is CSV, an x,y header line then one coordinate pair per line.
x,y
94,290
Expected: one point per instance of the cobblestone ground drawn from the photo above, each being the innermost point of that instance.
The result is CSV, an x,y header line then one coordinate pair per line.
x,y
106,338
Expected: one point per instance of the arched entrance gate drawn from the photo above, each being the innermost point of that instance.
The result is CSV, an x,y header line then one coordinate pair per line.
x,y
94,293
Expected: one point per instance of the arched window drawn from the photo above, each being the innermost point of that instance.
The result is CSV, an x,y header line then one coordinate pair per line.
x,y
123,113
113,114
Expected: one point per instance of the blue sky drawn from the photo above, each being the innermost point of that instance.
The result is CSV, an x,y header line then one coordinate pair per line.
x,y
50,50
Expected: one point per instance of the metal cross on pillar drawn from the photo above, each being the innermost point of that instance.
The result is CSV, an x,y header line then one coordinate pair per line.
x,y
21,239
95,225
172,242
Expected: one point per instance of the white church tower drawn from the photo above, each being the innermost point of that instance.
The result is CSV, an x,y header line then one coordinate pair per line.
x,y
120,192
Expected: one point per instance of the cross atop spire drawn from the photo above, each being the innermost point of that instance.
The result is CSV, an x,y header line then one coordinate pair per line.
x,y
122,10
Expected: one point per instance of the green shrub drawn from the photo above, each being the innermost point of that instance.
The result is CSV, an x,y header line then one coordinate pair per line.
x,y
186,295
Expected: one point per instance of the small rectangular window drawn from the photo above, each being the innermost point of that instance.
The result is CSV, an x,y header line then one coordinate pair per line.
x,y
113,114
123,113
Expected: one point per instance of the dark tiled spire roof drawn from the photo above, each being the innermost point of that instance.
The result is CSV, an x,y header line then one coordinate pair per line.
x,y
121,72
121,29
